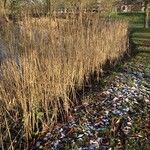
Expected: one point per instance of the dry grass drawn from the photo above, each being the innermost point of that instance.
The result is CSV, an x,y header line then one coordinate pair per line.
x,y
49,59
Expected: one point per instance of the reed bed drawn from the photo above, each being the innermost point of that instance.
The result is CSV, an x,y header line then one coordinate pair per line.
x,y
48,58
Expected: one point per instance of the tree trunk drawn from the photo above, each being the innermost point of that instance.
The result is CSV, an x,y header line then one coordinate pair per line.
x,y
5,1
48,7
5,15
147,5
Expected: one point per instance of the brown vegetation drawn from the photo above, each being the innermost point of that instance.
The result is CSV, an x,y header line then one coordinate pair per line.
x,y
49,60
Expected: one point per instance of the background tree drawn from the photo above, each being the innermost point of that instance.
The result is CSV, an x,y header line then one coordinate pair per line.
x,y
48,7
147,13
146,7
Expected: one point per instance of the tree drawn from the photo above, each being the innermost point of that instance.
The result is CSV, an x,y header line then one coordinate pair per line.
x,y
147,8
49,6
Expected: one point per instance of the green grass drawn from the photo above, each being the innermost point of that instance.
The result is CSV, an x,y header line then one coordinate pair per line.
x,y
141,42
134,19
142,48
141,38
141,35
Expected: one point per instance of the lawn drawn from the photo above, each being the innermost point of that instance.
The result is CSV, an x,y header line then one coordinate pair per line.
x,y
139,35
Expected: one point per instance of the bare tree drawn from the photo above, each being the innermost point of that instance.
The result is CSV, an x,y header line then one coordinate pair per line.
x,y
49,7
147,10
147,15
